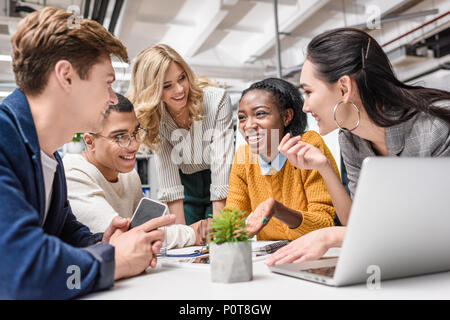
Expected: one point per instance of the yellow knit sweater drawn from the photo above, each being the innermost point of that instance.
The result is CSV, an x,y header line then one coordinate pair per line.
x,y
301,190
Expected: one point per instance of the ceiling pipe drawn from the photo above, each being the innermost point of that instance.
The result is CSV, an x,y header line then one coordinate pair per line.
x,y
87,8
96,9
277,39
115,15
286,72
299,68
100,7
390,19
415,29
102,11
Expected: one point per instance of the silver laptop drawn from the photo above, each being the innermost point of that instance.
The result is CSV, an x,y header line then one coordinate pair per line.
x,y
399,225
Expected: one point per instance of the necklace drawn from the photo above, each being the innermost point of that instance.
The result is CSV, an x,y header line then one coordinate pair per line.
x,y
181,120
186,124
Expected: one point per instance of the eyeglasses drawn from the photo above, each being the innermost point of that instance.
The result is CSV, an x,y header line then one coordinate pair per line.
x,y
124,140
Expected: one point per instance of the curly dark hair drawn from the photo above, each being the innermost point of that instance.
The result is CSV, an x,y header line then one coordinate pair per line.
x,y
286,96
124,105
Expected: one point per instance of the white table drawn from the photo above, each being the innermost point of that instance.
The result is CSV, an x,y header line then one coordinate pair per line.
x,y
188,283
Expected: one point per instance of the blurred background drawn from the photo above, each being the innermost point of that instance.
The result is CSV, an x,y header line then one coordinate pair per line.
x,y
238,42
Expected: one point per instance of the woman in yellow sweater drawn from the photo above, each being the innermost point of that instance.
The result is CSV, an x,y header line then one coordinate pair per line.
x,y
262,181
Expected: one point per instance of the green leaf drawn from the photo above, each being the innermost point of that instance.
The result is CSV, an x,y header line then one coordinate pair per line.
x,y
77,137
228,226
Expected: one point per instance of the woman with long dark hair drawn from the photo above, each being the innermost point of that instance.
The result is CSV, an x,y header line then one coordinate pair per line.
x,y
349,84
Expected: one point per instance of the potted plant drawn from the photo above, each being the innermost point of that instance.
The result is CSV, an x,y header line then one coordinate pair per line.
x,y
230,250
76,145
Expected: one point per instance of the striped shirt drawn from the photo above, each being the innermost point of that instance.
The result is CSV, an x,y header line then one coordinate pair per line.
x,y
208,144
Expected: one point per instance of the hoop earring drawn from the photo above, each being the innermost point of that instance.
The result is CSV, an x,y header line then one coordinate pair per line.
x,y
334,116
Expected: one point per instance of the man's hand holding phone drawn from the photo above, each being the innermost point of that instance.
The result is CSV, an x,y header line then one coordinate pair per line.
x,y
136,249
117,223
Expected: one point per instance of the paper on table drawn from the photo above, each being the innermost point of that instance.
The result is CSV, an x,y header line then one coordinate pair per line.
x,y
192,250
189,257
257,246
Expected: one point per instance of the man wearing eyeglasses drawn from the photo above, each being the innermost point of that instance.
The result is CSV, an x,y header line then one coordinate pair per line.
x,y
102,182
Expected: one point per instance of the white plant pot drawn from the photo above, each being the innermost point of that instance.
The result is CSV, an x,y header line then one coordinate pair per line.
x,y
75,147
231,262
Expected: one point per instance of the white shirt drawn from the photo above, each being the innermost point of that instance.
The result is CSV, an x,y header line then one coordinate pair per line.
x,y
273,167
49,165
95,201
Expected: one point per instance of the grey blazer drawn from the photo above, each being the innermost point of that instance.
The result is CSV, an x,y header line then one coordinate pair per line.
x,y
421,136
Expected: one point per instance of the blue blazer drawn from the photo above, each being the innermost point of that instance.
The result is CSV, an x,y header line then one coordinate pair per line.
x,y
57,260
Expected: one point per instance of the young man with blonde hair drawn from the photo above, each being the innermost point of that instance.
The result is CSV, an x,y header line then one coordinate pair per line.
x,y
64,78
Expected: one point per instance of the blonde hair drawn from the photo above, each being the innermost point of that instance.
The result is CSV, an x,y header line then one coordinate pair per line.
x,y
146,86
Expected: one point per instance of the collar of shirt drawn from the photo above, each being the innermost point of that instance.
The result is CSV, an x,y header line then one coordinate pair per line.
x,y
395,137
273,167
167,120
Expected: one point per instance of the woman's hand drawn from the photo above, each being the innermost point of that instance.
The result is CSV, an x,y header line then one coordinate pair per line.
x,y
302,155
261,216
201,229
311,246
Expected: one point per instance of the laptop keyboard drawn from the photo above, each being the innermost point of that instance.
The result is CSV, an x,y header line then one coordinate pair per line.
x,y
327,271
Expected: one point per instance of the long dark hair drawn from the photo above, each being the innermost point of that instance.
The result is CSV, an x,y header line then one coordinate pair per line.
x,y
387,100
286,96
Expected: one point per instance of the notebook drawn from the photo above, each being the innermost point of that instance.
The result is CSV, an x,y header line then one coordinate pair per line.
x,y
196,256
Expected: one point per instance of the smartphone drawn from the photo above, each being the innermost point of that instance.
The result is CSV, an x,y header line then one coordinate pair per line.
x,y
146,210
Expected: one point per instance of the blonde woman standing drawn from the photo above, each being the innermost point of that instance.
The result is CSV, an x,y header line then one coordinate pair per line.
x,y
190,131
